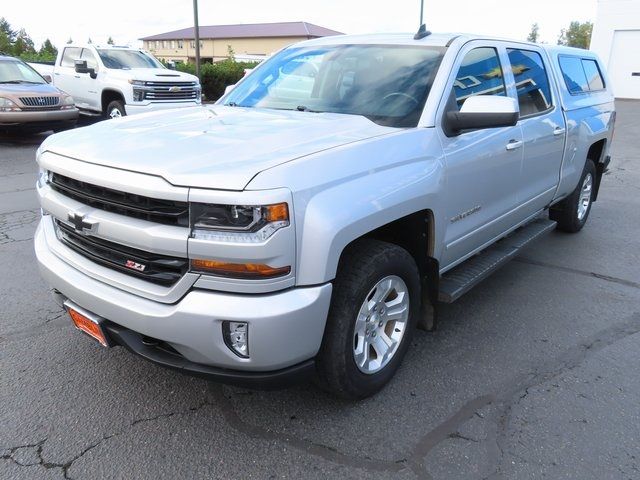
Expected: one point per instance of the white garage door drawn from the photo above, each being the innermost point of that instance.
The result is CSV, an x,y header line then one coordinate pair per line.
x,y
624,64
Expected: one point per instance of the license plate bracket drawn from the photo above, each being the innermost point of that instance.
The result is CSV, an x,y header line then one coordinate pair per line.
x,y
88,323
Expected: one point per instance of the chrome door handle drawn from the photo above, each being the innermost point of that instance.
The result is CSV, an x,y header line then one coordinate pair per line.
x,y
559,131
514,145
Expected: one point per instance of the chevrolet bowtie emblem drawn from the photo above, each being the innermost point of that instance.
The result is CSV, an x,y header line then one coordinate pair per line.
x,y
80,225
174,89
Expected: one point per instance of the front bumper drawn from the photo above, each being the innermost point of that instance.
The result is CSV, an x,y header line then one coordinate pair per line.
x,y
141,107
42,117
285,328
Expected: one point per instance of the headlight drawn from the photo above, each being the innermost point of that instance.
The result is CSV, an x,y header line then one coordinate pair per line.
x,y
67,102
7,105
137,82
237,223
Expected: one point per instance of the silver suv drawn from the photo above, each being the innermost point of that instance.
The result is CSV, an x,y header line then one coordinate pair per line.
x,y
304,225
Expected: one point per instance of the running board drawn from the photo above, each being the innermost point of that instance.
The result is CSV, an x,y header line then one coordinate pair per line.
x,y
459,280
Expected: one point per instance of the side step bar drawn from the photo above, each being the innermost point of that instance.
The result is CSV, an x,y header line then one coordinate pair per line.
x,y
459,280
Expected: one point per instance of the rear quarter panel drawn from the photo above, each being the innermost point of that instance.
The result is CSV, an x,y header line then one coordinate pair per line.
x,y
589,117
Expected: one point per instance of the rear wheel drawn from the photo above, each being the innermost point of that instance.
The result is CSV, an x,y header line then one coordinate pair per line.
x,y
115,109
572,212
374,308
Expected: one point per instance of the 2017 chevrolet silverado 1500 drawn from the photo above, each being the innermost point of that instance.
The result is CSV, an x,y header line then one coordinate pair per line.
x,y
305,224
117,81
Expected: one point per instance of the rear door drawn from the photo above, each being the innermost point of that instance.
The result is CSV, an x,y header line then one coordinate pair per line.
x,y
543,128
481,192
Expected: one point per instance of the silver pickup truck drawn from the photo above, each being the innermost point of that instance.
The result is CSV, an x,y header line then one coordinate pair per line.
x,y
307,223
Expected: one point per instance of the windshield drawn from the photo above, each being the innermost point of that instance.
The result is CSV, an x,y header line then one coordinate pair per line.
x,y
125,59
388,84
15,71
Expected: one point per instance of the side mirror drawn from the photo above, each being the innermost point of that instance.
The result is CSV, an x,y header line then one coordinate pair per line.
x,y
228,88
47,78
483,111
81,67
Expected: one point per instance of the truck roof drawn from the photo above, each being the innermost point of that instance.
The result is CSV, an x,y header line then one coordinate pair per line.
x,y
434,39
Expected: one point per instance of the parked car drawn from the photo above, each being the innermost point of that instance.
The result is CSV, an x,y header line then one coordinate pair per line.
x,y
29,103
117,81
288,233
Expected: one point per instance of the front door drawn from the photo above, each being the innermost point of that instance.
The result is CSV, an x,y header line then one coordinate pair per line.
x,y
482,166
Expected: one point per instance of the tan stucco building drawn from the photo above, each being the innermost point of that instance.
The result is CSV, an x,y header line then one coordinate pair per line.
x,y
248,41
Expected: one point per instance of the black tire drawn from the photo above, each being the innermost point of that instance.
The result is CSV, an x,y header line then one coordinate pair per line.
x,y
566,212
117,105
363,265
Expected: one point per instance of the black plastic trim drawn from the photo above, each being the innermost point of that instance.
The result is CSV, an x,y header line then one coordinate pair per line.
x,y
275,379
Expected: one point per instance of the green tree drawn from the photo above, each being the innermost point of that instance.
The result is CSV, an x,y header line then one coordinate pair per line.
x,y
533,34
7,36
577,35
23,44
110,41
5,27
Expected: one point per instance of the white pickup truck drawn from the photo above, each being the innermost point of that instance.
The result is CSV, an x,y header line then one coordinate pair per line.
x,y
117,81
304,225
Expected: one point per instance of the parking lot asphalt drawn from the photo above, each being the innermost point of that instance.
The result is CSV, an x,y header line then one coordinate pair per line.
x,y
533,374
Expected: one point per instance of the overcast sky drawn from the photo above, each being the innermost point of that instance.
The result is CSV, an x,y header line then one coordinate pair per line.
x,y
127,20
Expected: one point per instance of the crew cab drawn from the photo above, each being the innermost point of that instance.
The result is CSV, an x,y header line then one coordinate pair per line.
x,y
117,81
303,226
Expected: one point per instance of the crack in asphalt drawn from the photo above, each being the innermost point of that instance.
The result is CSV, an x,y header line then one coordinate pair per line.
x,y
518,389
14,221
328,453
67,465
608,278
50,323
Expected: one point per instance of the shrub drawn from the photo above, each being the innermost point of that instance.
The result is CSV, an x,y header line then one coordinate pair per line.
x,y
215,77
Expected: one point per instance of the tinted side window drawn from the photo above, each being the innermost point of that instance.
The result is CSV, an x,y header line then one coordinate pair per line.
x,y
594,77
69,57
573,74
90,58
534,94
480,74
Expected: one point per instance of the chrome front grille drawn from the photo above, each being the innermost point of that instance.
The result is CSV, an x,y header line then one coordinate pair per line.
x,y
40,102
170,91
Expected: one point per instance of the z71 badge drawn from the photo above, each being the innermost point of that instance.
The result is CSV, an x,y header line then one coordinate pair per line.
x,y
135,266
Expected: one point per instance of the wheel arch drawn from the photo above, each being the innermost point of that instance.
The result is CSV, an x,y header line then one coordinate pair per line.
x,y
108,96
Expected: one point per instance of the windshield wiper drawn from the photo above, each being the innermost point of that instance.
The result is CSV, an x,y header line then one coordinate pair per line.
x,y
20,81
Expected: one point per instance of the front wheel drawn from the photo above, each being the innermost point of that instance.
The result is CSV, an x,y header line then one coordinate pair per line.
x,y
572,212
374,309
115,109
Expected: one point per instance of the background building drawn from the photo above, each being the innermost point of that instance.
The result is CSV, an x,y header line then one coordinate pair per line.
x,y
248,41
616,39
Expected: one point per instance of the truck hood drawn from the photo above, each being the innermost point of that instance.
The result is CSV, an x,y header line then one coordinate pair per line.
x,y
210,146
151,74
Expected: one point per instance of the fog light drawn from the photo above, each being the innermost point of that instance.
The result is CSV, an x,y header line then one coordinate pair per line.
x,y
236,337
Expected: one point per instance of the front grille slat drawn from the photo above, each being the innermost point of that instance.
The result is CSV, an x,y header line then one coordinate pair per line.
x,y
160,269
40,101
167,212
